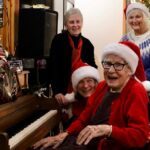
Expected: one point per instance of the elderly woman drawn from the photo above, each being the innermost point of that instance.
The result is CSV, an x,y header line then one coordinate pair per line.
x,y
84,80
137,16
116,116
67,49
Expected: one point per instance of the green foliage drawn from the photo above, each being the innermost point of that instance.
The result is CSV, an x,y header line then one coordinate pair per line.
x,y
147,3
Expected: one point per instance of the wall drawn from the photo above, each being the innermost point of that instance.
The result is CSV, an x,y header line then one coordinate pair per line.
x,y
103,21
58,6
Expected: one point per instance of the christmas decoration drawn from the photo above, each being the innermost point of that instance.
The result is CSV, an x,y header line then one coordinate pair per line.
x,y
147,3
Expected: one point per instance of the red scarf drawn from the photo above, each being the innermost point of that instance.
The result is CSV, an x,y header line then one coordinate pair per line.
x,y
76,52
76,57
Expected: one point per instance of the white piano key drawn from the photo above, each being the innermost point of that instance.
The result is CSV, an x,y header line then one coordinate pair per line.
x,y
30,128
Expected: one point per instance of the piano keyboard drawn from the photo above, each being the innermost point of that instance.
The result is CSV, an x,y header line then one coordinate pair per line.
x,y
30,128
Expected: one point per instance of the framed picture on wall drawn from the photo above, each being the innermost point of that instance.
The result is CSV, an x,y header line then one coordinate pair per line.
x,y
67,4
133,1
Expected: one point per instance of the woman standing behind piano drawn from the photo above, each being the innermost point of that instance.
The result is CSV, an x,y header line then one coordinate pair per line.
x,y
137,16
68,48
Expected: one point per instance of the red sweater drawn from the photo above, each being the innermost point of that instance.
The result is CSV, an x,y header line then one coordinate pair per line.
x,y
128,117
78,106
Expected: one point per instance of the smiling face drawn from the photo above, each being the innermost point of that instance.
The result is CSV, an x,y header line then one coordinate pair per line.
x,y
116,80
86,86
74,24
137,22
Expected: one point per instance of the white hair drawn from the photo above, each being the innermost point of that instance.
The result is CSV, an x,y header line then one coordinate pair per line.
x,y
70,12
145,18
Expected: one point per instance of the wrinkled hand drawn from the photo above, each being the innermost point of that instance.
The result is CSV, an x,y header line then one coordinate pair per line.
x,y
61,99
53,141
92,131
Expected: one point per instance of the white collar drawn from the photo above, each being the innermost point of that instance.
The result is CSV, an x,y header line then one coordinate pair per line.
x,y
139,38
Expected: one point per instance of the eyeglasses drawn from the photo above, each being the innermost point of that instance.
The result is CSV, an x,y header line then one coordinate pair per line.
x,y
117,66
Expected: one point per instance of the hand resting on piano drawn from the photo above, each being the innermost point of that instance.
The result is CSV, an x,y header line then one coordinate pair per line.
x,y
18,112
53,141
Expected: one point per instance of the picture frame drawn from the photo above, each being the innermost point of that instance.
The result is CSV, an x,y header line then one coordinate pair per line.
x,y
67,4
132,1
16,65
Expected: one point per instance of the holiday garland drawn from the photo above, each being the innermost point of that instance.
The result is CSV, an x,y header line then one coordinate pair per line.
x,y
147,3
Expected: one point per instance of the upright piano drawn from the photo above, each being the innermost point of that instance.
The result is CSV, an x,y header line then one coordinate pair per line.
x,y
27,120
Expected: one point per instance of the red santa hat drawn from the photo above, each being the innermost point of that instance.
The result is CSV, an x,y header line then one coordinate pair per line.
x,y
137,5
82,71
130,53
139,73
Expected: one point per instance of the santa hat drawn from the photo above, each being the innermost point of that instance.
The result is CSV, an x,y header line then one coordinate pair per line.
x,y
137,5
130,53
82,72
139,73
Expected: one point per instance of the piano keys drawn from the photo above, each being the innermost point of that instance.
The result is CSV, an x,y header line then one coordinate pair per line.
x,y
13,113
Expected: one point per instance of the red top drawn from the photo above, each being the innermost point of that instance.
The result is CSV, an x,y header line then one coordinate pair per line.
x,y
128,117
78,107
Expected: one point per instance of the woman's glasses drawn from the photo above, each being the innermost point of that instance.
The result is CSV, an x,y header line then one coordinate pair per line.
x,y
117,66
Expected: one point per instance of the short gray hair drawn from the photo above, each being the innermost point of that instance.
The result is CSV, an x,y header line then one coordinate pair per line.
x,y
70,12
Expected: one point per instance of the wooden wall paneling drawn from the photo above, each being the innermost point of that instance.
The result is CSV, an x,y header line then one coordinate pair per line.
x,y
6,34
16,23
11,14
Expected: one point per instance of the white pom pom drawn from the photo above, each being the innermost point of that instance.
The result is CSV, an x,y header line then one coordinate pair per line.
x,y
146,85
70,97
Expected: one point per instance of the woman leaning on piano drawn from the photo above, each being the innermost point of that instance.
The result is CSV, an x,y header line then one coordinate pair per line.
x,y
68,48
116,115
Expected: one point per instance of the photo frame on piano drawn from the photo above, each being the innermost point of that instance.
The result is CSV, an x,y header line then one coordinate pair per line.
x,y
16,65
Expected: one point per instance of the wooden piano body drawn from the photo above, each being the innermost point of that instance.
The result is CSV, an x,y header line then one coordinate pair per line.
x,y
14,112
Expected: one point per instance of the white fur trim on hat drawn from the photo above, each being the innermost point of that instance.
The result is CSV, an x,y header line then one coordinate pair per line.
x,y
124,52
146,85
83,72
137,6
